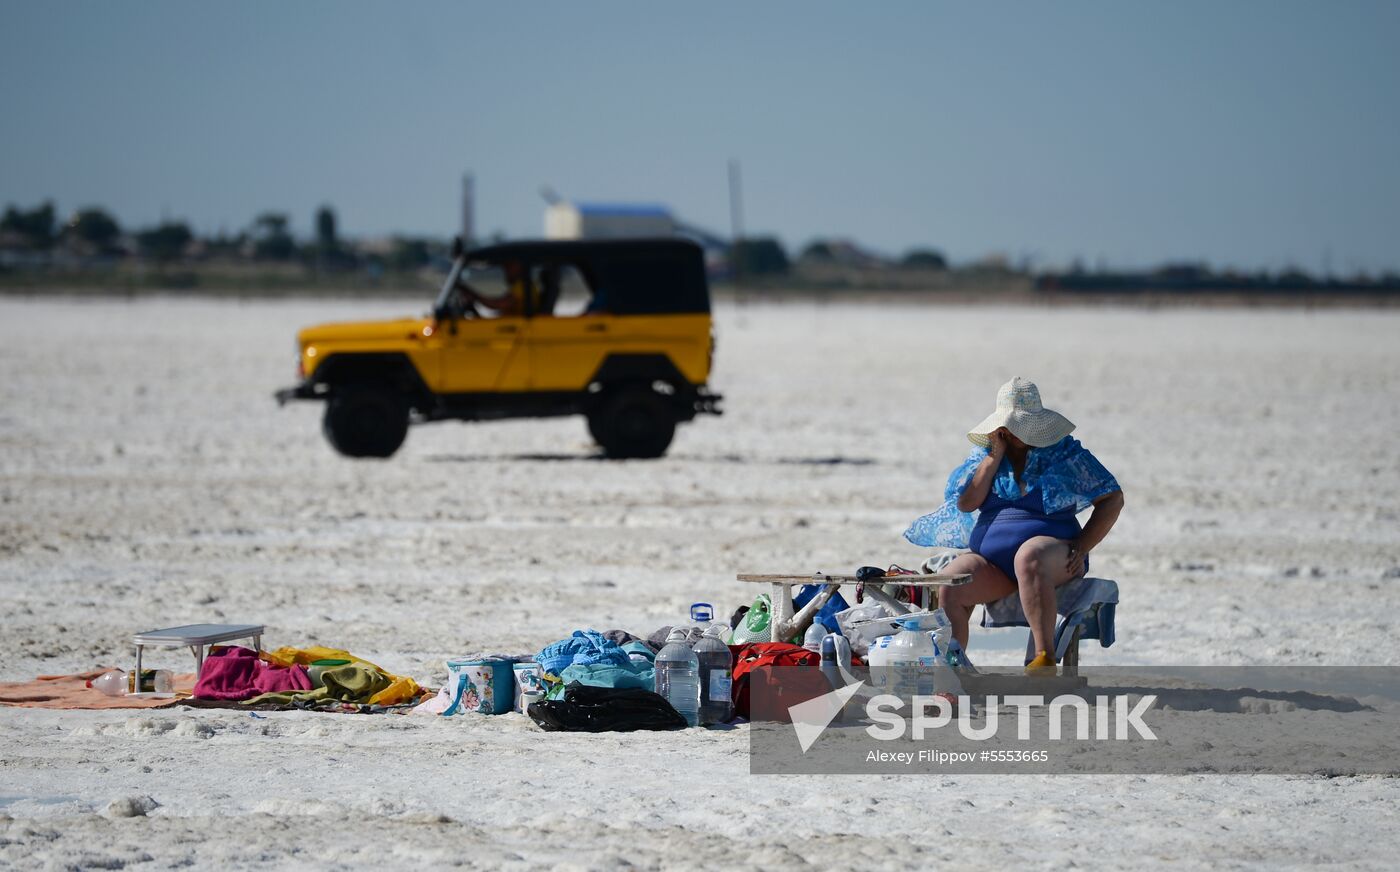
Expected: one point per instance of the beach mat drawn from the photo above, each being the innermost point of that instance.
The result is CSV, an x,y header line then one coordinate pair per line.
x,y
72,692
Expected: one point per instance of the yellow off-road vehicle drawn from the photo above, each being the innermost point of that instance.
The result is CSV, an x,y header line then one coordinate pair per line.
x,y
618,331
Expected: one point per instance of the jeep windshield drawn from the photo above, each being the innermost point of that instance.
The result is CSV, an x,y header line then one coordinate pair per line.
x,y
480,281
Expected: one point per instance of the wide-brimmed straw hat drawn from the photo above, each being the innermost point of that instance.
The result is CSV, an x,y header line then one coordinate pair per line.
x,y
1019,411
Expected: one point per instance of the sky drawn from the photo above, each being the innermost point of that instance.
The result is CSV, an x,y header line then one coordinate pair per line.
x,y
1248,134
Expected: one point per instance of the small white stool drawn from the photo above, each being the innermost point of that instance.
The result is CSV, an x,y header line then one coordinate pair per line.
x,y
196,637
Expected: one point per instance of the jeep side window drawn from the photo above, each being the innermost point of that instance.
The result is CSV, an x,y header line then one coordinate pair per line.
x,y
573,295
492,291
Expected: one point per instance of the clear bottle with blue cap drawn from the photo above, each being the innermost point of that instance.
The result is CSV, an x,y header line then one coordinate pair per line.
x,y
677,676
715,665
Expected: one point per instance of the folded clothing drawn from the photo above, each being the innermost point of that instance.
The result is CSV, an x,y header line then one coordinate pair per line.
x,y
236,673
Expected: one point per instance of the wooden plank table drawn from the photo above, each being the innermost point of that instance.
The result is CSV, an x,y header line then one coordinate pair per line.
x,y
781,589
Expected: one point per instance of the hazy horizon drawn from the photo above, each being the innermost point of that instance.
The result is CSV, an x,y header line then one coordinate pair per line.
x,y
1252,135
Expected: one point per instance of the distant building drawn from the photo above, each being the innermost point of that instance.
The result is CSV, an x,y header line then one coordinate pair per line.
x,y
606,221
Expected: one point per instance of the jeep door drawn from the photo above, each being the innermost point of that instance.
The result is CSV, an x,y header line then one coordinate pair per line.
x,y
477,353
569,338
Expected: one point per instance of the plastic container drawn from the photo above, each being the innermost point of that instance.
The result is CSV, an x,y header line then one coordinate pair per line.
x,y
483,686
812,639
716,667
903,664
678,677
527,680
836,660
754,625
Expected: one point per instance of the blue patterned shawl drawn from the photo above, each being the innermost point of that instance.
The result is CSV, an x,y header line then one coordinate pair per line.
x,y
1066,473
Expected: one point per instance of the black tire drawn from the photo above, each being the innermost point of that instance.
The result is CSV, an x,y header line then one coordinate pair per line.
x,y
598,426
365,422
633,422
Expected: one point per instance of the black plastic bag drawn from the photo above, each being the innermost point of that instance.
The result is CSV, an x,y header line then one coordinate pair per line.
x,y
588,709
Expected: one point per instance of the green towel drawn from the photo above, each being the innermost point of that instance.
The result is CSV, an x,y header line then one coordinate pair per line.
x,y
353,683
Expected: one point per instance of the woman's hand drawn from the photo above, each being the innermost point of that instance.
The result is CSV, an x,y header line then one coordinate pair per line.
x,y
1075,563
996,443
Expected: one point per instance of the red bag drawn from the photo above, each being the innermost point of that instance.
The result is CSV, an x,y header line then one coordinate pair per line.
x,y
777,675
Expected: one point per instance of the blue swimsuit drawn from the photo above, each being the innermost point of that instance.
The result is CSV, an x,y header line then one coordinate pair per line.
x,y
1003,526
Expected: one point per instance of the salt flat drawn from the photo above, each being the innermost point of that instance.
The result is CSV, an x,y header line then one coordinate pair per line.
x,y
147,478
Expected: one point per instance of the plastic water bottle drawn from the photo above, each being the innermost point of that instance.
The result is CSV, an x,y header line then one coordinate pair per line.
x,y
812,640
678,677
702,615
111,683
716,670
828,666
119,683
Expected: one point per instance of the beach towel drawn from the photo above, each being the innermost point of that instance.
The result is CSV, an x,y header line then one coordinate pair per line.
x,y
72,692
237,673
582,648
354,683
631,674
400,689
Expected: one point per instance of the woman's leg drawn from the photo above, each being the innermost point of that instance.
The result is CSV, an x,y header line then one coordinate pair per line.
x,y
988,584
1040,568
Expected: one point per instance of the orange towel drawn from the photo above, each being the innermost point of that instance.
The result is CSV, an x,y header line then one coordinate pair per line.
x,y
72,692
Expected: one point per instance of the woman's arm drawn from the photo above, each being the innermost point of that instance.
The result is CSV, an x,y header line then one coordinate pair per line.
x,y
1101,520
972,497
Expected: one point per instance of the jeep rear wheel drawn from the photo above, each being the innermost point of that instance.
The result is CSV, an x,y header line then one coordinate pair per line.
x,y
633,422
365,422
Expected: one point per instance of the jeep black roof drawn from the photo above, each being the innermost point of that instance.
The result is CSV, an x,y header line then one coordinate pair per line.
x,y
635,276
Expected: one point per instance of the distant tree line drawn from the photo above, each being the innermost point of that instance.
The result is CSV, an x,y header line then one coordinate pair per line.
x,y
94,234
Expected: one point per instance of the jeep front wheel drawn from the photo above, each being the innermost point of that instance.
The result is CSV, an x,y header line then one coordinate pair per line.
x,y
365,422
634,422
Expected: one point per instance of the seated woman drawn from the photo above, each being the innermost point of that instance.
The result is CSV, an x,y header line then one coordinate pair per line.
x,y
1013,502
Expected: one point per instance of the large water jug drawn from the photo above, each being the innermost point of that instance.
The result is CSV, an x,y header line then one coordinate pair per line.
x,y
716,671
678,677
905,664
